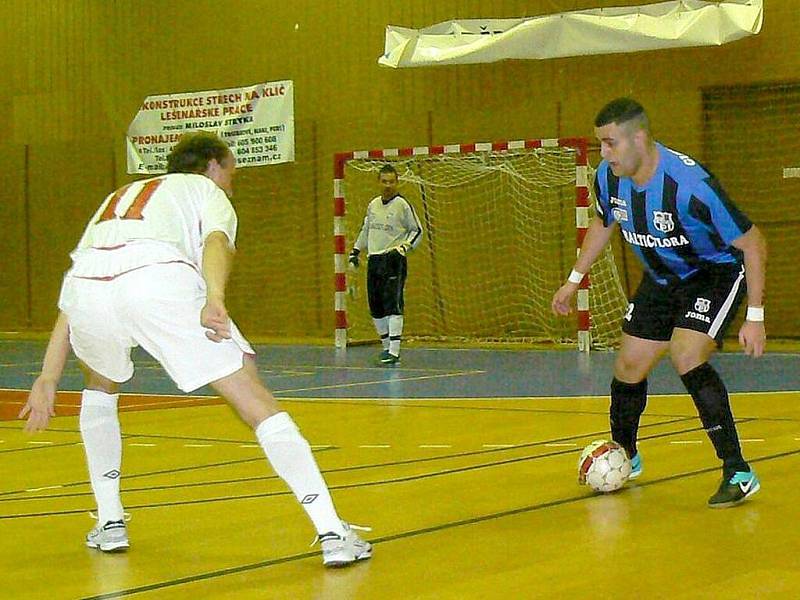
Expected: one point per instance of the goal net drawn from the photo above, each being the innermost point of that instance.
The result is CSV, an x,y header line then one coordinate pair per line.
x,y
500,226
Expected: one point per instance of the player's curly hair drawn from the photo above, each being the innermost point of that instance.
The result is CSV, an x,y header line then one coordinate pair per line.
x,y
194,151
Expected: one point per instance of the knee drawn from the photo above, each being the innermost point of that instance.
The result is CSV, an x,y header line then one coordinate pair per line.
x,y
686,358
629,370
94,381
102,384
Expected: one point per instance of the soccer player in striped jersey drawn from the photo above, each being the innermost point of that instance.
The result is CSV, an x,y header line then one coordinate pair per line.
x,y
701,256
391,230
151,269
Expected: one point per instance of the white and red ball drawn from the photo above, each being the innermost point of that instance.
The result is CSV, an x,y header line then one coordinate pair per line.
x,y
604,466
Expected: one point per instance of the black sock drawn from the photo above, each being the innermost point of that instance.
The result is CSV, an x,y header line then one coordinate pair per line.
x,y
711,399
627,405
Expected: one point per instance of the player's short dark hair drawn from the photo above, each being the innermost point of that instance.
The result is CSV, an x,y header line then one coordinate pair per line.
x,y
387,168
194,151
622,110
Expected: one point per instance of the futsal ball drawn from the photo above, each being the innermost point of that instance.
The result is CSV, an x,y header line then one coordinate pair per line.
x,y
604,466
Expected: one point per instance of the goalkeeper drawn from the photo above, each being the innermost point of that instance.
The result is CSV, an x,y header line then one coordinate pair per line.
x,y
391,229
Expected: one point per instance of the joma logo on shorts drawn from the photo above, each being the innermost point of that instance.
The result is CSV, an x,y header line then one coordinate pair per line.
x,y
694,315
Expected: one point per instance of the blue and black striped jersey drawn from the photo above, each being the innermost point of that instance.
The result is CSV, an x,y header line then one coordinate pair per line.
x,y
679,222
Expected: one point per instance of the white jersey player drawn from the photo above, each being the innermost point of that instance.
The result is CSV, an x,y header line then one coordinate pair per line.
x,y
151,270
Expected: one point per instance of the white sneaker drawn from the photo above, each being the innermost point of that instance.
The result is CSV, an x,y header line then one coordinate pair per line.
x,y
338,551
109,537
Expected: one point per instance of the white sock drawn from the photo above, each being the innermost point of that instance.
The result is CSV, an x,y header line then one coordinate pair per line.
x,y
290,455
395,333
382,327
102,441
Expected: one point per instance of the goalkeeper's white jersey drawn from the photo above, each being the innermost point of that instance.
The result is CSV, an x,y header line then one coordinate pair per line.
x,y
388,225
158,220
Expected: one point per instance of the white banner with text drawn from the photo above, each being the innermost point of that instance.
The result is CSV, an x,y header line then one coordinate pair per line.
x,y
256,121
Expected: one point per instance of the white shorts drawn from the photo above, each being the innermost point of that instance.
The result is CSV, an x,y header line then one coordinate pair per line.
x,y
158,308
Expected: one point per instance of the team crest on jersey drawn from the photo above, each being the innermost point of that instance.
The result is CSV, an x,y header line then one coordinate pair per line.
x,y
620,214
702,305
663,221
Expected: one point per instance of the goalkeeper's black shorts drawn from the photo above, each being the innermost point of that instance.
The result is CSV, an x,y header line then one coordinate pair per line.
x,y
386,278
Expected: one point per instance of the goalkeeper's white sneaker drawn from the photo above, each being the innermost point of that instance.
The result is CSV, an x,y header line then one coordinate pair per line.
x,y
340,551
112,536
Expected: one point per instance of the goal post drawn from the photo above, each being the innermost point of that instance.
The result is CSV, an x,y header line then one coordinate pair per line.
x,y
503,222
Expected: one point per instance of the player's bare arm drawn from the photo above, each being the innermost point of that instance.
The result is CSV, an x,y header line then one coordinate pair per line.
x,y
217,262
597,237
752,334
42,398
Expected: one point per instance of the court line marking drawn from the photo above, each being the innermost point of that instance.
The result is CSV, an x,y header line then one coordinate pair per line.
x,y
378,382
47,487
363,484
400,403
188,438
40,447
383,402
343,469
348,468
125,438
160,472
603,397
184,397
264,368
276,392
524,446
408,534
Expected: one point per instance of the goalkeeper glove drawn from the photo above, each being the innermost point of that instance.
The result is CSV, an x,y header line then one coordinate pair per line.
x,y
353,260
404,248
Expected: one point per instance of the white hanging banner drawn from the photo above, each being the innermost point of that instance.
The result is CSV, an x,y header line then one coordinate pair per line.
x,y
257,122
673,24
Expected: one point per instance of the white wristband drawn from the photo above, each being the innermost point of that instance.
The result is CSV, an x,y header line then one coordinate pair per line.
x,y
755,314
576,276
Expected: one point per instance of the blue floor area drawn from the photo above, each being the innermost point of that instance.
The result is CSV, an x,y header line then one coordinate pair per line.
x,y
322,372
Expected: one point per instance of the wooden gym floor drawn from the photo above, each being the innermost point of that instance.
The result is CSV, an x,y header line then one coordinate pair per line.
x,y
462,462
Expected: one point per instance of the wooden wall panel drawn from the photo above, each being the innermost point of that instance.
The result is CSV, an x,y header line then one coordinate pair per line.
x,y
67,184
13,241
75,71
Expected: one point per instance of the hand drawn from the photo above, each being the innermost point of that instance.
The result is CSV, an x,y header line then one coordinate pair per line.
x,y
753,338
353,260
562,304
404,248
214,317
40,405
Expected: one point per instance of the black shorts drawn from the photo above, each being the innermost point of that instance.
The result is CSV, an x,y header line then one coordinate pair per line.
x,y
706,302
386,278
